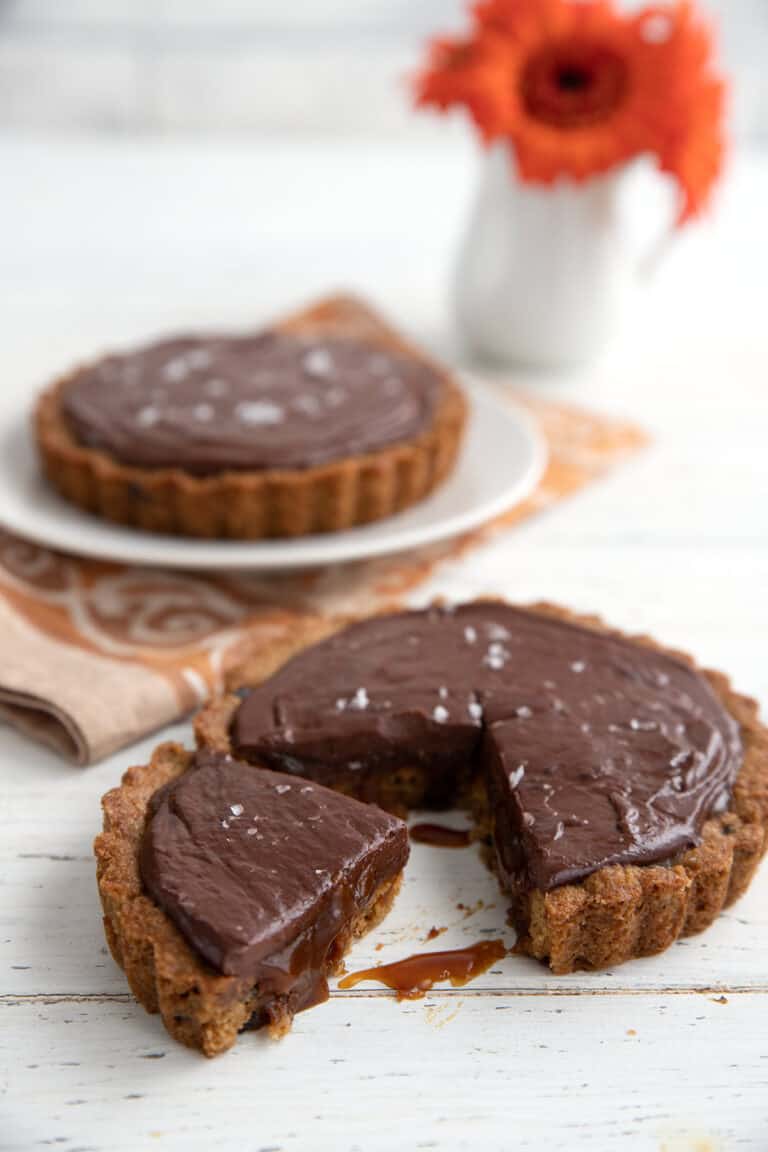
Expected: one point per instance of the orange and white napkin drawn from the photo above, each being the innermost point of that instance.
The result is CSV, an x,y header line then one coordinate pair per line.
x,y
96,655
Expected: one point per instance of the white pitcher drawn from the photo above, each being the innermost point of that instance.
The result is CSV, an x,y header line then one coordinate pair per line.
x,y
544,269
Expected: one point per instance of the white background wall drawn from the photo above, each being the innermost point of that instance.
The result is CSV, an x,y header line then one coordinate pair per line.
x,y
310,66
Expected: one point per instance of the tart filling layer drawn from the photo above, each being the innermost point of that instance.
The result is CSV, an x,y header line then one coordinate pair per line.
x,y
262,874
594,750
250,403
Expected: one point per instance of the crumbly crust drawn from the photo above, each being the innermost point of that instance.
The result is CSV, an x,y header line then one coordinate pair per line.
x,y
620,912
269,503
200,1007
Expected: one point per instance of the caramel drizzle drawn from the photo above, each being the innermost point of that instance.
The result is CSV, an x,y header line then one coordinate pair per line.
x,y
415,975
440,835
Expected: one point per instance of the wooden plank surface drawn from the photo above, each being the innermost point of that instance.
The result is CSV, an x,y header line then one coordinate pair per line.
x,y
238,65
455,1071
667,1053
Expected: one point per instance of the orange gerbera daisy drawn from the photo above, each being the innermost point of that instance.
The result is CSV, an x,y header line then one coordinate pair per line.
x,y
578,88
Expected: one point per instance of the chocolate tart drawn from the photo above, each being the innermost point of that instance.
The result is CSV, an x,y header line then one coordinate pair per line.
x,y
625,791
231,893
327,420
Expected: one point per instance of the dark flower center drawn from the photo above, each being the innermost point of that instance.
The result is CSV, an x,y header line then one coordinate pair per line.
x,y
573,79
573,85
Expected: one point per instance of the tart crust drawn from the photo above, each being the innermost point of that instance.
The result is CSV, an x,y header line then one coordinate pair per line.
x,y
273,502
200,1007
621,912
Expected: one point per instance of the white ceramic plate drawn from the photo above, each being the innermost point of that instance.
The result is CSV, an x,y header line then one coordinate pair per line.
x,y
501,461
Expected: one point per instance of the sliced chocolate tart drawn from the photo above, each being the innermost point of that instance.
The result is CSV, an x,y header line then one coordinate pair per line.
x,y
324,421
626,791
231,893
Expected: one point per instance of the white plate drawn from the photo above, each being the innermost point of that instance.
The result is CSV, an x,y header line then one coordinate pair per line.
x,y
501,461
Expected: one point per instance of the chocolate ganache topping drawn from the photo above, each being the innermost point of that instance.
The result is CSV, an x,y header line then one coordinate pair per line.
x,y
595,749
270,400
260,872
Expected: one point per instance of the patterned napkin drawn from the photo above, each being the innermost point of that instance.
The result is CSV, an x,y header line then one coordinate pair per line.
x,y
97,655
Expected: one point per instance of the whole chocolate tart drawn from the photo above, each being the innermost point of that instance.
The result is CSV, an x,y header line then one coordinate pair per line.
x,y
324,421
230,892
621,790
625,791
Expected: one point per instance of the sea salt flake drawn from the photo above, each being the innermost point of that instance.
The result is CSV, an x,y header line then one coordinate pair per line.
x,y
523,712
236,809
559,830
643,725
252,832
529,819
578,666
203,413
516,776
498,632
147,417
440,714
198,358
318,363
496,656
341,704
224,824
259,412
355,765
475,710
176,369
281,789
442,692
470,634
360,700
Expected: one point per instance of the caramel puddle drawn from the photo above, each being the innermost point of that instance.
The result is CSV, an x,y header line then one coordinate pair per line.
x,y
415,975
440,835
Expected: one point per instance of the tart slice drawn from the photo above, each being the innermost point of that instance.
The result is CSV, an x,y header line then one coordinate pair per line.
x,y
230,892
324,421
625,790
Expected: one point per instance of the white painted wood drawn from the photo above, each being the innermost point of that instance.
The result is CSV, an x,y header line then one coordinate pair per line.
x,y
183,16
96,91
102,245
304,88
245,65
366,1073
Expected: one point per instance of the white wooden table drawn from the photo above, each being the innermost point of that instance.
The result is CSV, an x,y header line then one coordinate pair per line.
x,y
102,244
